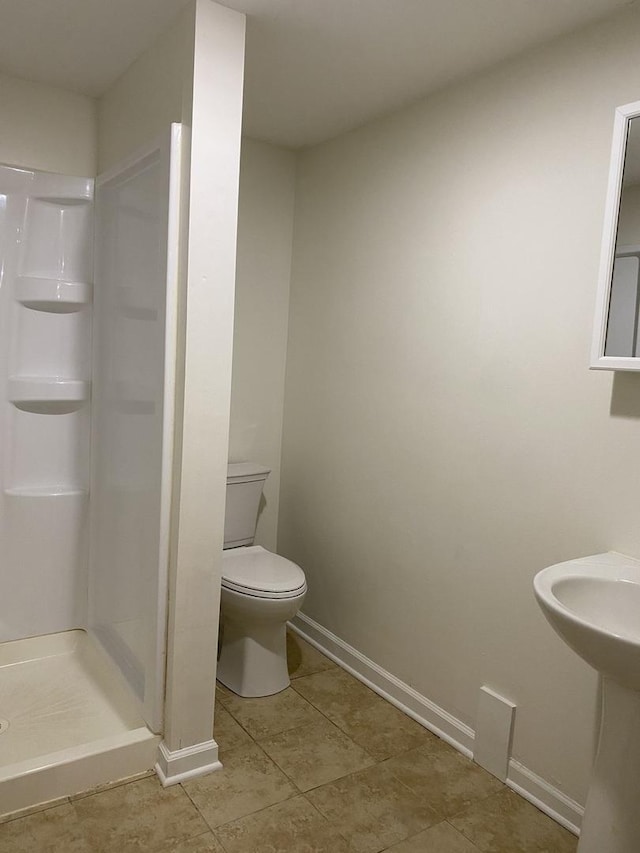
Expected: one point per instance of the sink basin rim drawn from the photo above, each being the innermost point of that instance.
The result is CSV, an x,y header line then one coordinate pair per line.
x,y
613,653
609,567
567,611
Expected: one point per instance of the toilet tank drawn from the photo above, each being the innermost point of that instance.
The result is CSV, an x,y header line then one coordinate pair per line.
x,y
245,481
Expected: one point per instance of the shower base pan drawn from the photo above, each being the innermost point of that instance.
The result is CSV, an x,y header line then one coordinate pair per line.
x,y
67,721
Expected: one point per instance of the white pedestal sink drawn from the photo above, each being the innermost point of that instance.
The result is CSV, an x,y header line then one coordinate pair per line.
x,y
594,605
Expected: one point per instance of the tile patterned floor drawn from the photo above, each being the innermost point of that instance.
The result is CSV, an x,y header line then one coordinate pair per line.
x,y
326,766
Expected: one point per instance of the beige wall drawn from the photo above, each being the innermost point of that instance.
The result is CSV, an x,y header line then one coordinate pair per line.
x,y
153,92
265,232
443,437
47,128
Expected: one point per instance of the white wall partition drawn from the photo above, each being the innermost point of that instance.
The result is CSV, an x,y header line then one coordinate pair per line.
x,y
45,372
137,209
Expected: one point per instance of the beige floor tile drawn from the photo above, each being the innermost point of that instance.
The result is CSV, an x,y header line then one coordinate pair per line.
x,y
206,843
505,823
303,659
446,780
293,826
372,809
51,831
226,732
270,715
334,692
138,816
315,754
248,781
365,717
441,838
381,729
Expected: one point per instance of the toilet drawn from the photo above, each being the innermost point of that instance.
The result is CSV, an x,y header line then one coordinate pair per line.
x,y
261,591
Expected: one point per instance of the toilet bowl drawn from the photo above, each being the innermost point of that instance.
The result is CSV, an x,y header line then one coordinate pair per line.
x,y
260,592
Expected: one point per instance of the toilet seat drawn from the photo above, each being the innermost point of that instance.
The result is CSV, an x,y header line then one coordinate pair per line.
x,y
256,572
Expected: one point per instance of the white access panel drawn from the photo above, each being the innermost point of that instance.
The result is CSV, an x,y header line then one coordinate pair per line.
x,y
494,727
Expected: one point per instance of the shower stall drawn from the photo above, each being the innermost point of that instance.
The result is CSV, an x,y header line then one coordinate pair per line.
x,y
88,330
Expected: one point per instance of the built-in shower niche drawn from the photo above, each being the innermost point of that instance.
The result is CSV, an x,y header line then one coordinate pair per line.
x,y
48,392
58,229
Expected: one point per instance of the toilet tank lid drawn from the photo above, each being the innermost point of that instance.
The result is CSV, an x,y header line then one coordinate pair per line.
x,y
246,471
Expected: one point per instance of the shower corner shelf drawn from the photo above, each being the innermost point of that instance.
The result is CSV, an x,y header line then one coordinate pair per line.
x,y
62,191
52,295
48,395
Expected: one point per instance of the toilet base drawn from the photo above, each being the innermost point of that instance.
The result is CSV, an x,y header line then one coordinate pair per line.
x,y
254,664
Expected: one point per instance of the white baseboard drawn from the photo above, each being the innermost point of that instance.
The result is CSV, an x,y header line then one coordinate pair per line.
x,y
545,796
421,709
443,724
187,763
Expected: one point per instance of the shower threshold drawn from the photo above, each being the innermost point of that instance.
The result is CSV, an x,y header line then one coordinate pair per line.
x,y
69,721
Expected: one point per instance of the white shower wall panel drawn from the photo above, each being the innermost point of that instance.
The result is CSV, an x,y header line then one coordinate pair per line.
x,y
43,564
46,243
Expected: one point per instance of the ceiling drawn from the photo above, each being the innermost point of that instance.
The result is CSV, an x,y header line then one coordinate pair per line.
x,y
314,68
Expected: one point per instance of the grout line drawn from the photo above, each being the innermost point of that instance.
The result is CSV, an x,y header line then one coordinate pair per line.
x,y
235,720
271,734
375,697
304,725
465,836
219,840
301,725
286,775
376,762
255,812
190,798
455,828
324,714
327,821
472,802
